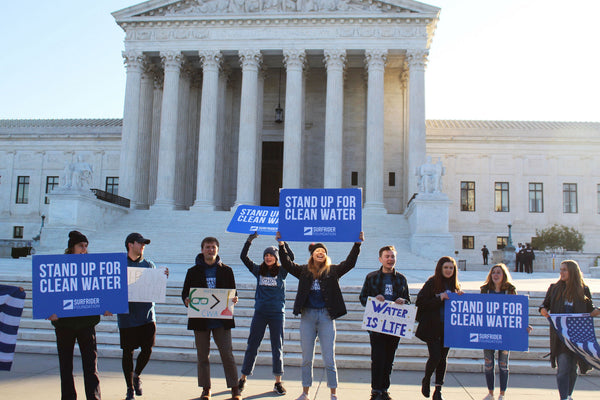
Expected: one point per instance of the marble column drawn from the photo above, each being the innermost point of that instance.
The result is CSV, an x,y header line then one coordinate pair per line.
x,y
294,60
165,181
334,118
182,144
223,201
246,172
145,136
154,147
416,115
129,136
205,189
375,64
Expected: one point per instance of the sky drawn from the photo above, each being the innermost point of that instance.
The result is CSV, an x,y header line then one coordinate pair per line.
x,y
489,60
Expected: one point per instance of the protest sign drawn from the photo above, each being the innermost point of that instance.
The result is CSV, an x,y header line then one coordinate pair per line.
x,y
211,303
146,285
73,285
389,318
312,215
486,321
250,219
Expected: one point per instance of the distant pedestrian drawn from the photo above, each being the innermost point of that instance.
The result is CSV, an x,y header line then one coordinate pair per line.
x,y
528,257
485,253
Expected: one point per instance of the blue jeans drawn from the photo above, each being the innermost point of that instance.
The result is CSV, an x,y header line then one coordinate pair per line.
x,y
316,322
566,374
257,332
490,375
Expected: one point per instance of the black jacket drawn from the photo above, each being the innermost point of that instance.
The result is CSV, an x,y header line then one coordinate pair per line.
x,y
373,286
554,303
196,278
428,313
330,287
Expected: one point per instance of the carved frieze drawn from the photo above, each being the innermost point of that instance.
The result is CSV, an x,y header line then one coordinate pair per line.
x,y
207,7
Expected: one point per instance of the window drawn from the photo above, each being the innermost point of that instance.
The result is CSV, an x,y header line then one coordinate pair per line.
x,y
22,190
112,185
467,196
392,179
17,232
501,242
501,197
51,183
468,242
536,197
569,197
354,178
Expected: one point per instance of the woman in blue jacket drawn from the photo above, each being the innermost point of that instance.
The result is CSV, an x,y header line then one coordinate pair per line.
x,y
269,310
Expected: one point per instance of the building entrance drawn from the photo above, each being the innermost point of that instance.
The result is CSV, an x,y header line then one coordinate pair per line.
x,y
271,173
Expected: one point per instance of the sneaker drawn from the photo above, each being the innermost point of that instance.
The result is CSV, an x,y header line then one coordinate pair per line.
x,y
129,395
279,389
501,397
303,396
137,385
334,396
376,395
489,397
385,395
205,394
241,385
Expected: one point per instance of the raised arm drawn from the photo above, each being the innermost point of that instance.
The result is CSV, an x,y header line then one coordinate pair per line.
x,y
350,261
252,267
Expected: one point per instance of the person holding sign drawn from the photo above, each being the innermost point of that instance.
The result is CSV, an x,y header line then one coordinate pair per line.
x,y
319,300
210,272
80,329
498,281
384,284
430,315
269,310
569,295
138,327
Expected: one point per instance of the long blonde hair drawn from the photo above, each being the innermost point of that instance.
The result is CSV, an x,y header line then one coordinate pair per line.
x,y
506,278
575,284
319,270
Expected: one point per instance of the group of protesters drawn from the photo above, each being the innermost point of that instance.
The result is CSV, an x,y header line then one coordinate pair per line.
x,y
319,302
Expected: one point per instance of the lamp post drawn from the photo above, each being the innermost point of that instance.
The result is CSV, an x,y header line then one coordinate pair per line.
x,y
509,250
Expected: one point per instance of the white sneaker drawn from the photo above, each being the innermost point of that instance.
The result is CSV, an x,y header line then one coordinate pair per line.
x,y
334,396
303,396
501,397
489,397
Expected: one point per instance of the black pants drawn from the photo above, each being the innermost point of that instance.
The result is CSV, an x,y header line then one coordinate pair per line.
x,y
437,360
65,344
383,350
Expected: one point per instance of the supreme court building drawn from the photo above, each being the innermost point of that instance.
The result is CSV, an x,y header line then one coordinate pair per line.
x,y
227,101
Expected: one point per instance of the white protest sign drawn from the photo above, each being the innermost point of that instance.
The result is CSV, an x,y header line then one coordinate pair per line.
x,y
389,318
211,303
146,285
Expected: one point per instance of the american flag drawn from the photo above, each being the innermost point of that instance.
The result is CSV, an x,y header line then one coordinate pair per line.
x,y
577,333
12,300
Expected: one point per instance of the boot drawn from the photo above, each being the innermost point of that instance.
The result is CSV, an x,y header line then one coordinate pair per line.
x,y
437,393
426,386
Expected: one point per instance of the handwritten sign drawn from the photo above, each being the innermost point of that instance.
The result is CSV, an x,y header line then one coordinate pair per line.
x,y
389,318
147,285
73,285
312,215
250,219
486,321
211,303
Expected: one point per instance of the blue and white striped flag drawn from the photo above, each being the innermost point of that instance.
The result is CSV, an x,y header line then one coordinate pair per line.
x,y
577,333
12,300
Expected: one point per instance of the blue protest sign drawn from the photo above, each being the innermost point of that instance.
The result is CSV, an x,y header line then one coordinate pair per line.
x,y
311,215
73,285
486,321
250,219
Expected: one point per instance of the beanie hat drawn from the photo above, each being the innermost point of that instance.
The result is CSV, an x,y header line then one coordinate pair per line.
x,y
76,237
271,250
313,246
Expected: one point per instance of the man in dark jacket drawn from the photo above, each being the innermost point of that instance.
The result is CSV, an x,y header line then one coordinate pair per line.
x,y
210,272
384,284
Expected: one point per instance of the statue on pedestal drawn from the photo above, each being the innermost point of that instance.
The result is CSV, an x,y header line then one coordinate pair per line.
x,y
77,176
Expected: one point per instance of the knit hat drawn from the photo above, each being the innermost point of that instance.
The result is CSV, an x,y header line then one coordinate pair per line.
x,y
76,237
313,246
272,250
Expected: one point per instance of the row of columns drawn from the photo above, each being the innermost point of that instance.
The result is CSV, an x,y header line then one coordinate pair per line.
x,y
135,118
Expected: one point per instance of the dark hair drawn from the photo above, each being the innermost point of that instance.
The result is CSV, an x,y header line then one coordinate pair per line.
x,y
440,282
387,248
209,239
574,289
